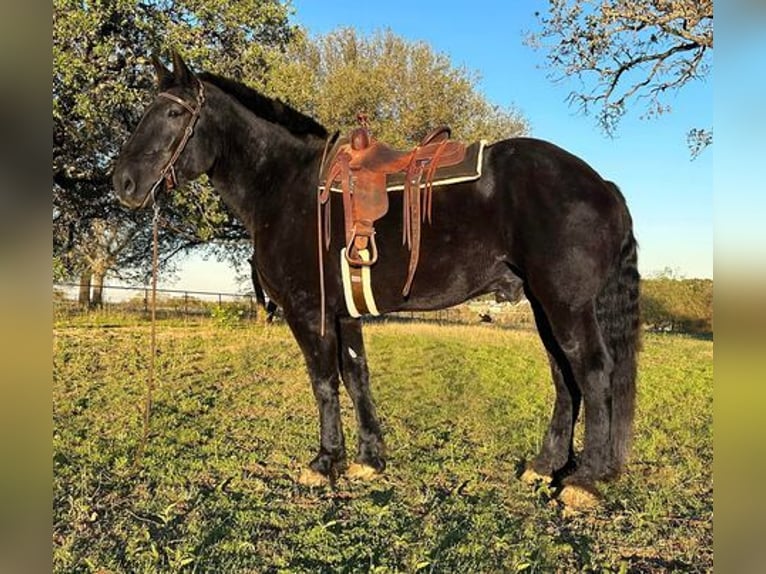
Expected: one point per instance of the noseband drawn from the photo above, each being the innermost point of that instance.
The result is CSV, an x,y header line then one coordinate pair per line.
x,y
168,173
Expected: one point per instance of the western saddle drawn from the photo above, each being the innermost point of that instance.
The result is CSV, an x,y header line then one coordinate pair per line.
x,y
360,165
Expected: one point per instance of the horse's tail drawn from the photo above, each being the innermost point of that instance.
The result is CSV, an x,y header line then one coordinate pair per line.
x,y
617,309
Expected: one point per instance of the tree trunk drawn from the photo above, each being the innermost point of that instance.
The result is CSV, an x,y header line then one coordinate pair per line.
x,y
98,289
84,297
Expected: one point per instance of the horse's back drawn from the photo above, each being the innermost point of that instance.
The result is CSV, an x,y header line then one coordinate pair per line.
x,y
546,175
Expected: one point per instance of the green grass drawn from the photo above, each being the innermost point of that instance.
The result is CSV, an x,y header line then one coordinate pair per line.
x,y
462,407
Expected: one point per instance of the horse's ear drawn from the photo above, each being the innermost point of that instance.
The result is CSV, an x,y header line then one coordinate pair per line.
x,y
164,76
183,75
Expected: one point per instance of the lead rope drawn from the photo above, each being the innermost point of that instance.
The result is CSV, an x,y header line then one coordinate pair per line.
x,y
168,177
153,345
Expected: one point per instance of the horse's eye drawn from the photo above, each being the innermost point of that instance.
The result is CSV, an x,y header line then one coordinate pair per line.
x,y
174,113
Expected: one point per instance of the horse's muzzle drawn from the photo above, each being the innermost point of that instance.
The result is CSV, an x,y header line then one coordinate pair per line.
x,y
126,189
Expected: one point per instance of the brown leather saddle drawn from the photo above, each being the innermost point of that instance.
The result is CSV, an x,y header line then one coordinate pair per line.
x,y
359,166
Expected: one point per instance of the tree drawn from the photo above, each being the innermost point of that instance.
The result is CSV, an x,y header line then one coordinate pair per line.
x,y
405,88
628,51
91,240
102,80
672,303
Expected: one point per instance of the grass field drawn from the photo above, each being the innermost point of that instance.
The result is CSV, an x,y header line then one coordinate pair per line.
x,y
462,408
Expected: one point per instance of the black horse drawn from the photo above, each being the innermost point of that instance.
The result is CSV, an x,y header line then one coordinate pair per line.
x,y
538,217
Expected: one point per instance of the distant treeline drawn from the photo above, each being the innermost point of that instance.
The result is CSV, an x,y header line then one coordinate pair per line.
x,y
684,305
668,304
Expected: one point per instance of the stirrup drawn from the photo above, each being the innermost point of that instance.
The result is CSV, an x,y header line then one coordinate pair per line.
x,y
358,261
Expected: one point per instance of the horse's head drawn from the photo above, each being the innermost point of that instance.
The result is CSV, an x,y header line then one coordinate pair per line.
x,y
169,145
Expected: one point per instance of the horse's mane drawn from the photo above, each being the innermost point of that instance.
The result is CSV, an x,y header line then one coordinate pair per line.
x,y
269,109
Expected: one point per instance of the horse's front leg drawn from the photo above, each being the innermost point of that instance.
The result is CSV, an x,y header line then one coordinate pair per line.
x,y
320,353
353,367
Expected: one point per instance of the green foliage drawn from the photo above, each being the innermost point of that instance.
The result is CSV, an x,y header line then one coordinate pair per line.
x,y
102,76
405,87
228,314
59,270
684,305
102,80
234,420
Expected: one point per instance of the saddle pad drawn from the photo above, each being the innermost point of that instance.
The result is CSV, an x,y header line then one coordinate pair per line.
x,y
467,170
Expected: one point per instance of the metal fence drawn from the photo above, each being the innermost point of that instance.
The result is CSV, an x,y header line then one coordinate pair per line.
x,y
232,307
170,302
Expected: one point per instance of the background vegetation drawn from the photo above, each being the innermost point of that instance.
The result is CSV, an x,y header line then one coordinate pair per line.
x,y
462,407
406,88
681,305
668,304
102,80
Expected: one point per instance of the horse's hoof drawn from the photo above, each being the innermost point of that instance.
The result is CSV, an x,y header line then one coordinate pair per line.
x,y
310,477
357,471
577,498
531,476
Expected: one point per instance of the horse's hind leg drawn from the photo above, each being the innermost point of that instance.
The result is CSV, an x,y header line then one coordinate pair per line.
x,y
580,339
557,452
353,366
320,353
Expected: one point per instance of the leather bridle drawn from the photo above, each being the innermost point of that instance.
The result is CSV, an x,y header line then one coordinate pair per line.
x,y
168,173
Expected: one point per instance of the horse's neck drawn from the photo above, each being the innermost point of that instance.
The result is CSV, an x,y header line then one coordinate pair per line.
x,y
262,169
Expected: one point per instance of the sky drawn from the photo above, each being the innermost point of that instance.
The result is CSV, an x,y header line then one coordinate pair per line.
x,y
669,194
740,161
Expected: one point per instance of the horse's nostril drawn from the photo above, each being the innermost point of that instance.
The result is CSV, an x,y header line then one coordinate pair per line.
x,y
128,185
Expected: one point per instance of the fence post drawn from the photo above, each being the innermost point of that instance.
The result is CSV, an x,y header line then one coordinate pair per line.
x,y
146,300
219,299
186,304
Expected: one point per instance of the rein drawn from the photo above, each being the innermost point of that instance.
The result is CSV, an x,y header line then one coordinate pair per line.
x,y
168,176
321,198
150,381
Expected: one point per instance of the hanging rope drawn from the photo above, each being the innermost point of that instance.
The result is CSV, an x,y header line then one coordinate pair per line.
x,y
168,177
150,381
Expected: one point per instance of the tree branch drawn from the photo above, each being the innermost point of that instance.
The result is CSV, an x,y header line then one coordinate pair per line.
x,y
626,51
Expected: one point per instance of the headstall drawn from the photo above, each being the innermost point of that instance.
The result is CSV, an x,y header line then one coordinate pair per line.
x,y
168,173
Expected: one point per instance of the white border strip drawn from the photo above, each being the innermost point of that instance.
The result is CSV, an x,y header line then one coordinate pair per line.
x,y
347,294
367,284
